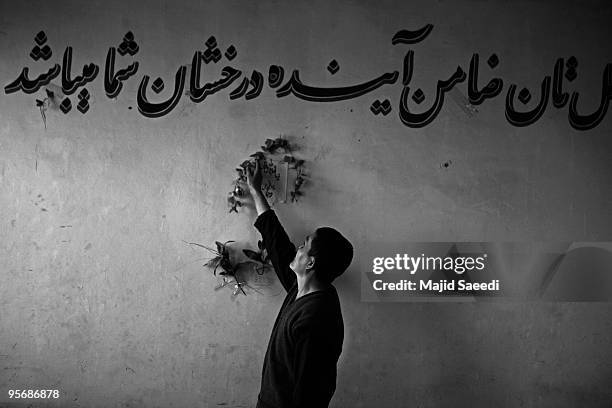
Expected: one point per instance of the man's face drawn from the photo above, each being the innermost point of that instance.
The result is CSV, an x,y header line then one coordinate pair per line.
x,y
302,260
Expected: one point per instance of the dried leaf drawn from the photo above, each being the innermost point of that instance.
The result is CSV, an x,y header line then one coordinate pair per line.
x,y
256,256
226,265
213,262
226,249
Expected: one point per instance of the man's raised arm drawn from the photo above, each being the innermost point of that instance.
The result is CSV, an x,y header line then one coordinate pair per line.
x,y
280,249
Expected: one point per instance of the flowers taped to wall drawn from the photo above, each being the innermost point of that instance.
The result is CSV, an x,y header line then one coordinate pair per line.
x,y
236,275
283,174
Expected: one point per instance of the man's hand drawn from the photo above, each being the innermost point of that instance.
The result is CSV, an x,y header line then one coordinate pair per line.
x,y
254,177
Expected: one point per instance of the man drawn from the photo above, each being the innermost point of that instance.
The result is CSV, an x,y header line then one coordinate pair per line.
x,y
299,368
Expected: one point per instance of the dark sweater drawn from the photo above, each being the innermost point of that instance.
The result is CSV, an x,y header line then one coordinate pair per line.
x,y
299,368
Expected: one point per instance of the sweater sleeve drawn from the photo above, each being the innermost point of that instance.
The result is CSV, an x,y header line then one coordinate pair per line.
x,y
280,249
314,368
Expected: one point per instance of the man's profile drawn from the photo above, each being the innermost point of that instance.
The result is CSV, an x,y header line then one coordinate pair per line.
x,y
299,367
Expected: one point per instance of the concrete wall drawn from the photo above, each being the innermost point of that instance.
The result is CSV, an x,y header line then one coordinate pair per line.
x,y
101,298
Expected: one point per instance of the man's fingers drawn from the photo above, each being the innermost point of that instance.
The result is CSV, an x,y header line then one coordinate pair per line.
x,y
251,170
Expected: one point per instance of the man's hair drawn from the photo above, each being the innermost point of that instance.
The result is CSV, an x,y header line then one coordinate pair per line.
x,y
333,253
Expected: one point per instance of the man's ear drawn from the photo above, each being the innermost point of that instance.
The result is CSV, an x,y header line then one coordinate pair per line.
x,y
310,263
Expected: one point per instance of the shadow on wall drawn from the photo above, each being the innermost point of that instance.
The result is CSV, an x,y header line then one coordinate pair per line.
x,y
582,274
